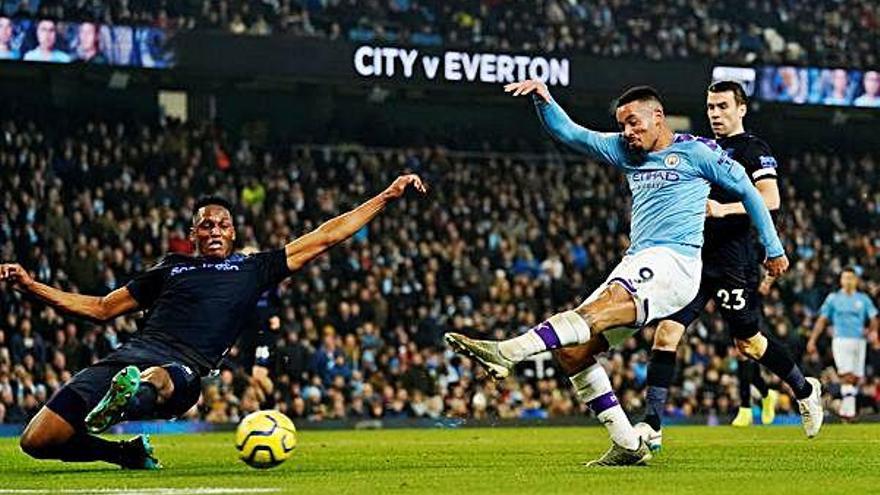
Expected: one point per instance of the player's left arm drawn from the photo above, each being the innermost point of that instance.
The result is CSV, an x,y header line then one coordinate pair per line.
x,y
769,191
308,247
873,321
729,174
761,166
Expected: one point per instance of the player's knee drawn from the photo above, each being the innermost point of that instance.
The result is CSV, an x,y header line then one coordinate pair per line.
x,y
613,308
36,442
161,379
752,347
668,335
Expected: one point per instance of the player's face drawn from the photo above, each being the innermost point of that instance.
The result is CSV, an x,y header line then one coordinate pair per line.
x,y
849,281
213,232
46,34
725,115
871,82
840,81
5,30
87,38
640,123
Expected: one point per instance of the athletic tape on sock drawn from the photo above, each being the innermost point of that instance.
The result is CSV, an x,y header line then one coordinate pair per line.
x,y
591,383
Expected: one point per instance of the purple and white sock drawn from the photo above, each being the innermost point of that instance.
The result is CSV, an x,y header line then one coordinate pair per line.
x,y
593,387
559,330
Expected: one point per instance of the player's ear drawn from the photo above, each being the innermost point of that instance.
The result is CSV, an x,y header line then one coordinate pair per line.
x,y
742,110
658,114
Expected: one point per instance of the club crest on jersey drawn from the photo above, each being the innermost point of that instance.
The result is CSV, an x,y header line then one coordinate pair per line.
x,y
767,162
672,160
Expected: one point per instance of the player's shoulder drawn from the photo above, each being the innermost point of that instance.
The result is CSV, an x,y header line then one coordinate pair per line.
x,y
173,259
258,256
697,143
699,149
758,148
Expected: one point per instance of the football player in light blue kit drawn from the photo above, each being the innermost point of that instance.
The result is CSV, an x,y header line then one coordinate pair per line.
x,y
669,176
848,310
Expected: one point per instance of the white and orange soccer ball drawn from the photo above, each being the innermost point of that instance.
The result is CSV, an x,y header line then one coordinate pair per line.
x,y
265,439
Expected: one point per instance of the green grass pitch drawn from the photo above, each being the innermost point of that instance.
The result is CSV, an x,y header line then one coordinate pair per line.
x,y
843,459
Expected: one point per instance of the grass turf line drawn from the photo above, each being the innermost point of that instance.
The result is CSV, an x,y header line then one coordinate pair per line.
x,y
843,459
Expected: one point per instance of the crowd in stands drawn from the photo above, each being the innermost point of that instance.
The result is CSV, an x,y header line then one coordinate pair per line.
x,y
501,242
828,32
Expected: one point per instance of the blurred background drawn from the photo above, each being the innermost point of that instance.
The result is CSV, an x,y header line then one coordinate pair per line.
x,y
117,115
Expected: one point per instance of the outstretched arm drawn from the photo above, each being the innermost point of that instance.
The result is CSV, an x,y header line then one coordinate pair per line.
x,y
607,147
104,308
729,174
308,247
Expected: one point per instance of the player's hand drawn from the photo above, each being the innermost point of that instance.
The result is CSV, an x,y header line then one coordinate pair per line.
x,y
15,273
766,285
811,347
714,209
776,266
398,187
523,88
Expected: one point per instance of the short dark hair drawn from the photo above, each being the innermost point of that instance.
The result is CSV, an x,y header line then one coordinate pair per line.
x,y
739,94
638,93
212,200
851,269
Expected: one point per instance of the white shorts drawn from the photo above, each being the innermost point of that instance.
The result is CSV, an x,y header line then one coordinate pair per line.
x,y
849,355
661,281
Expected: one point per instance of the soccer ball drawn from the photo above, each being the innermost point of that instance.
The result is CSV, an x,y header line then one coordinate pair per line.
x,y
265,439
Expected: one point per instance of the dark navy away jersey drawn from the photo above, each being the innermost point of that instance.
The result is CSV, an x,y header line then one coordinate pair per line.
x,y
201,305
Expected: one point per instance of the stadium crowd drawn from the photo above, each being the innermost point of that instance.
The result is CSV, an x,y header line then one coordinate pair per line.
x,y
828,33
501,242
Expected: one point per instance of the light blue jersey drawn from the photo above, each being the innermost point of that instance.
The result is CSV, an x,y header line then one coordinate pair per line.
x,y
670,187
848,313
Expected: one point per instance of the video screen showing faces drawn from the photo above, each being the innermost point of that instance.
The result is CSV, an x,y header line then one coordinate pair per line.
x,y
45,40
820,86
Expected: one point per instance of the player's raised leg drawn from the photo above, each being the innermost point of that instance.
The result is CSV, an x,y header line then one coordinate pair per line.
x,y
157,392
613,307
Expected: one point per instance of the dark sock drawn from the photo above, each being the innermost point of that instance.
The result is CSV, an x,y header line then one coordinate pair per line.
x,y
744,373
143,404
782,365
82,447
661,371
758,379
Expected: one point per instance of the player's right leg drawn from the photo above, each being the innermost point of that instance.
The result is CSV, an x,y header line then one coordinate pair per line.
x,y
163,391
58,431
613,307
650,284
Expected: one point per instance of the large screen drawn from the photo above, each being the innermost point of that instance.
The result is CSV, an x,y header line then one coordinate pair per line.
x,y
46,40
808,85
